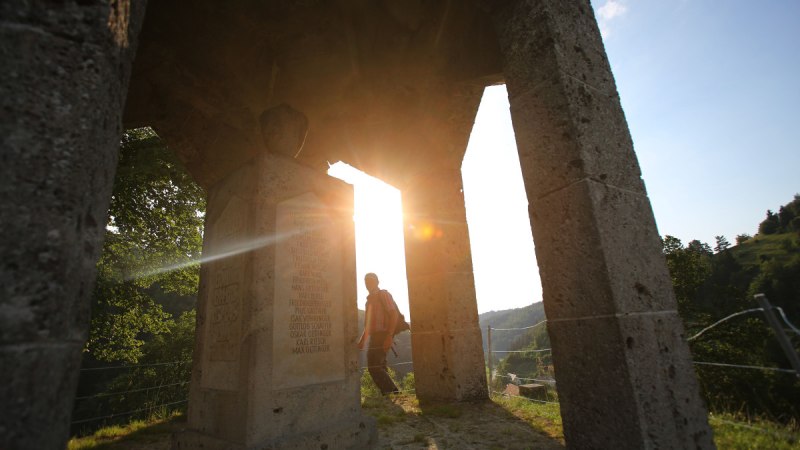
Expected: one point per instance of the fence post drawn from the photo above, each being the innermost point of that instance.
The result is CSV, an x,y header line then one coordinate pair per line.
x,y
489,344
786,345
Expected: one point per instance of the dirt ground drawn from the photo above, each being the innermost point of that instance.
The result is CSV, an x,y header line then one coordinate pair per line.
x,y
402,424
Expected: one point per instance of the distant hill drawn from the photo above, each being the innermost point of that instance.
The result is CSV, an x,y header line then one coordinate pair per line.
x,y
510,318
501,340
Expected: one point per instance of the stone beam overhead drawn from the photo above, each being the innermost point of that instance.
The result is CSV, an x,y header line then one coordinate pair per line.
x,y
366,74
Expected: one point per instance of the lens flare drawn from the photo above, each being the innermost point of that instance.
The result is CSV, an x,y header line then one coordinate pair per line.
x,y
226,250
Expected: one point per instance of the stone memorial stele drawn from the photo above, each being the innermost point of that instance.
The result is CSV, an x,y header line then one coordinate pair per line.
x,y
275,362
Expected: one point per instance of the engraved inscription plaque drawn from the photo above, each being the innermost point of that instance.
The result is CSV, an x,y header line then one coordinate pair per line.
x,y
308,339
223,305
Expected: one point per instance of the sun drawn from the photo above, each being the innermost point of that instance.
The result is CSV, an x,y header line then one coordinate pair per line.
x,y
378,220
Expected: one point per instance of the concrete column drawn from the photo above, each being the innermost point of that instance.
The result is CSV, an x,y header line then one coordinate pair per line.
x,y
445,335
625,377
62,87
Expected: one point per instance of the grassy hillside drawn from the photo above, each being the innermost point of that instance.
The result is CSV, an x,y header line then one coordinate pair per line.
x,y
510,318
775,247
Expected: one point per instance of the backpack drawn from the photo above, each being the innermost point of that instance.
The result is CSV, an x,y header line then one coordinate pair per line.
x,y
390,305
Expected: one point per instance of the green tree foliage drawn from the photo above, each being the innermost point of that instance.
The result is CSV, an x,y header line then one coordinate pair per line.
x,y
722,244
161,377
138,357
689,268
710,286
785,221
770,225
154,226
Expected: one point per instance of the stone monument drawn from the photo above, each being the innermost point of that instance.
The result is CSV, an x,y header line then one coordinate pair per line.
x,y
275,362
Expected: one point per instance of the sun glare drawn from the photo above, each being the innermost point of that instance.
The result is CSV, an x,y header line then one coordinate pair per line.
x,y
497,215
379,233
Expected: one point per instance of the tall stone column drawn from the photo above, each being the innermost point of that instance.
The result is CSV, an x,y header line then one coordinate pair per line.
x,y
275,362
445,335
62,87
625,377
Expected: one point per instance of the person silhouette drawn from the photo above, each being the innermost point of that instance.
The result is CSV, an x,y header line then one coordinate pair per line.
x,y
379,324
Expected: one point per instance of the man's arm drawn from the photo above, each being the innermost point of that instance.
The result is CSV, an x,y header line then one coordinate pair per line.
x,y
392,321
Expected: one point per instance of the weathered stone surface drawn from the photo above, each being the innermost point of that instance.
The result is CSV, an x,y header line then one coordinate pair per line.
x,y
600,252
446,340
635,373
308,323
283,130
36,413
282,254
568,125
605,285
62,87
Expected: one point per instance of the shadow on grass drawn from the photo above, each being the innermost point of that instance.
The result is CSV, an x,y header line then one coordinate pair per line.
x,y
145,436
404,423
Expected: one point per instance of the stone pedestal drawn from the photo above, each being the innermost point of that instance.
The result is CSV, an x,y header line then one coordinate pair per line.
x,y
611,312
445,335
275,363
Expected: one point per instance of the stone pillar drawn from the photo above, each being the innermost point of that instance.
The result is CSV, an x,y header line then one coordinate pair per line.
x,y
275,362
625,377
62,87
445,335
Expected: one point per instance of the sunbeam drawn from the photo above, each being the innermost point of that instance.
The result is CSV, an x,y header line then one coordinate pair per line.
x,y
226,251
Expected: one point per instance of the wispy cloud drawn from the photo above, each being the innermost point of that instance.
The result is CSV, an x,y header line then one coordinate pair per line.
x,y
609,11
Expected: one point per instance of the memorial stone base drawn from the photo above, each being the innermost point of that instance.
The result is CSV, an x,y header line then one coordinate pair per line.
x,y
275,363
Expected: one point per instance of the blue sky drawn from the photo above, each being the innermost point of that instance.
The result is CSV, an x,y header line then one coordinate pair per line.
x,y
711,93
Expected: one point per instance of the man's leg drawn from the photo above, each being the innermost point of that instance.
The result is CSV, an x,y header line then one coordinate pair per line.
x,y
376,364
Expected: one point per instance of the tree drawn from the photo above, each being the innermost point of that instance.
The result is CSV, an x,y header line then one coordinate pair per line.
x,y
154,232
770,225
785,216
722,244
689,268
742,238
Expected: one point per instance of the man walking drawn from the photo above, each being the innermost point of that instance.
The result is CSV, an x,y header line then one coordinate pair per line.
x,y
379,325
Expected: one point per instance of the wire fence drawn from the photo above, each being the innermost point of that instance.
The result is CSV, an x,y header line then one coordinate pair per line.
x,y
511,385
119,391
538,385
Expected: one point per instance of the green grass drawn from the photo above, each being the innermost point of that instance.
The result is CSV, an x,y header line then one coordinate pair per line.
x,y
153,429
444,410
735,433
545,417
770,246
730,432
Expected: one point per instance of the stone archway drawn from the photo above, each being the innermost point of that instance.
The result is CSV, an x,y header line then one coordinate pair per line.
x,y
393,87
